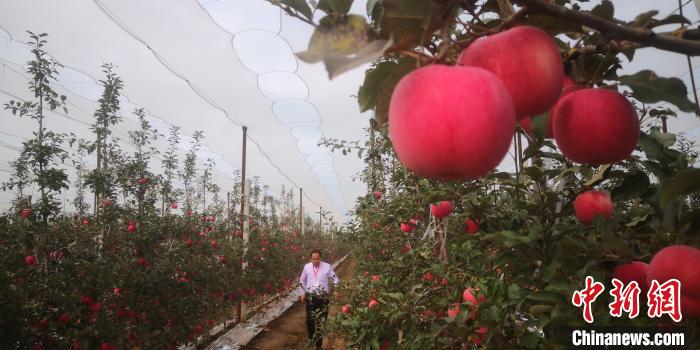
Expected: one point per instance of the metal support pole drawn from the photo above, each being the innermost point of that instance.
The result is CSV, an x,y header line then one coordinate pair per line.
x,y
240,312
320,220
301,210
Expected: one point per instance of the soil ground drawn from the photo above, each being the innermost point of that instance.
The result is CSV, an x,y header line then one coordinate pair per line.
x,y
289,330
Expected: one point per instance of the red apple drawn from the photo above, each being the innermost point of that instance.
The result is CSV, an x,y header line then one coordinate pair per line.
x,y
30,260
407,228
117,291
188,242
131,227
373,304
86,222
595,126
472,226
345,309
451,123
173,205
375,278
64,318
479,336
26,213
441,210
526,124
96,307
106,202
377,195
690,307
468,296
428,276
681,262
87,300
528,62
143,180
633,271
590,204
453,311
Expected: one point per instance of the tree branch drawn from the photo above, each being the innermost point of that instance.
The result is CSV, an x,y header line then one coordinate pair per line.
x,y
646,37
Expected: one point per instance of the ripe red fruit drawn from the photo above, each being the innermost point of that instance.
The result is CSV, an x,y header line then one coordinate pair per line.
x,y
222,259
451,123
427,277
106,202
526,123
131,227
373,304
142,261
377,195
407,228
188,242
117,291
453,311
375,278
214,244
595,126
30,260
64,318
528,62
87,300
590,204
345,309
479,336
143,180
26,213
197,329
441,210
107,346
173,205
86,222
680,262
472,226
96,307
633,271
468,296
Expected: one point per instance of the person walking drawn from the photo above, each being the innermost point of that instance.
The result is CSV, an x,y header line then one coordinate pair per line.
x,y
314,281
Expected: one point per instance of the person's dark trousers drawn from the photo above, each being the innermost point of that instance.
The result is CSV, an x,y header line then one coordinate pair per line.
x,y
316,314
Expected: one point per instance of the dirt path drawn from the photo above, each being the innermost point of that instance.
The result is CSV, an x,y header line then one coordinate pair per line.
x,y
289,330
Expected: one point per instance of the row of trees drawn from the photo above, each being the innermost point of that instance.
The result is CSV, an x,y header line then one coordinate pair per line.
x,y
147,260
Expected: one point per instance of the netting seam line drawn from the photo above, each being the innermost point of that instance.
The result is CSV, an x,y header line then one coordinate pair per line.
x,y
123,26
308,89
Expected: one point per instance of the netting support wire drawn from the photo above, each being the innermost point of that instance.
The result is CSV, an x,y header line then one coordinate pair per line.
x,y
690,68
240,312
301,210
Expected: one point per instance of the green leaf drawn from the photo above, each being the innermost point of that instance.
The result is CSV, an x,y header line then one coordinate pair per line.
x,y
647,87
599,176
406,21
300,6
672,19
605,10
404,66
632,186
683,183
336,65
508,238
374,77
644,19
335,6
336,36
540,125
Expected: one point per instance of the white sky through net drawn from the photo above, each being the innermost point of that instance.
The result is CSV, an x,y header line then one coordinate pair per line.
x,y
214,65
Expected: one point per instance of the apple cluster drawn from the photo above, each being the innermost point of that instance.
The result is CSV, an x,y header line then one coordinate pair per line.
x,y
457,122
